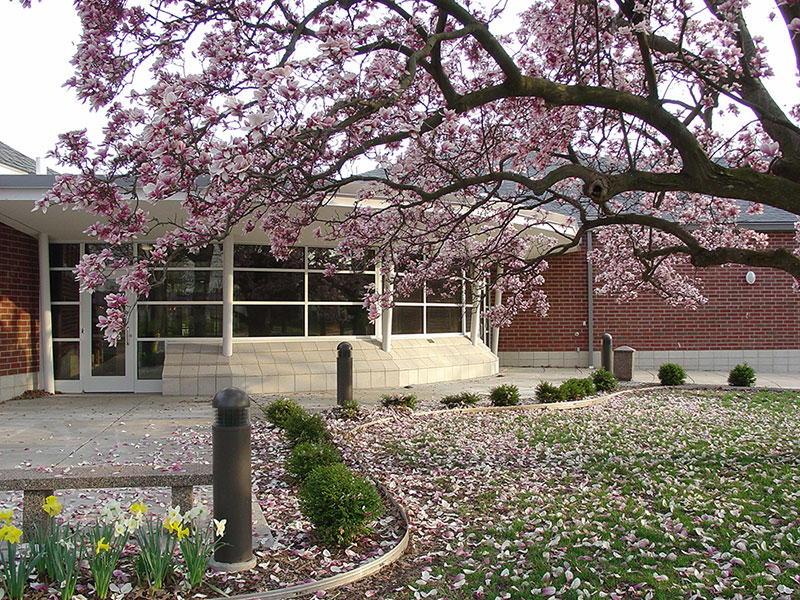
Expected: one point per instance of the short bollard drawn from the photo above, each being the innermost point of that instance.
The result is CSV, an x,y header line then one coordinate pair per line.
x,y
344,374
231,475
606,356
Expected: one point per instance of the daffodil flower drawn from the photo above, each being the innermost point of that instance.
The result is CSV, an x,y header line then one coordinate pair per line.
x,y
102,544
120,528
12,534
220,527
51,506
6,515
174,514
4,532
138,507
181,532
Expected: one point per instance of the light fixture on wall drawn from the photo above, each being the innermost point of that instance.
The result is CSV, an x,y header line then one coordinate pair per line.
x,y
750,277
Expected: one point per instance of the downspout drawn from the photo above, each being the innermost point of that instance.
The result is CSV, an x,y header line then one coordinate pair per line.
x,y
590,296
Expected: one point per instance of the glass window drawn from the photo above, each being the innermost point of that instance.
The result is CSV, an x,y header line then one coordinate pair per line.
x,y
63,287
407,319
66,321
180,321
187,286
338,288
64,255
319,258
338,320
443,291
443,319
210,256
149,360
267,320
260,257
66,361
268,286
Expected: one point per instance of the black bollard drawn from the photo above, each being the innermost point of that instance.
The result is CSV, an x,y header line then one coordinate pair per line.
x,y
231,475
606,356
344,374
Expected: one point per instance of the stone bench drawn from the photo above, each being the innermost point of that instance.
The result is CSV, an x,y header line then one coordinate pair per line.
x,y
37,485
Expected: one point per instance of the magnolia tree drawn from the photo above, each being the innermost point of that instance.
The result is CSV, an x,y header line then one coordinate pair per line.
x,y
647,121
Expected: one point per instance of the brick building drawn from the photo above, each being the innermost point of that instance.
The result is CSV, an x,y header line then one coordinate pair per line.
x,y
231,315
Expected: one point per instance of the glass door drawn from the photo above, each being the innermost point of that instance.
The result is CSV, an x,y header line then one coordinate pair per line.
x,y
105,368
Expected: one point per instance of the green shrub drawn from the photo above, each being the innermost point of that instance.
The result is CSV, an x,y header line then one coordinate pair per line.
x,y
463,399
504,395
575,389
306,456
350,411
407,400
671,374
340,505
279,410
742,375
604,380
304,427
547,393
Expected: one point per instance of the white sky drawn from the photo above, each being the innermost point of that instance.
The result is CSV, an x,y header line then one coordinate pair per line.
x,y
36,45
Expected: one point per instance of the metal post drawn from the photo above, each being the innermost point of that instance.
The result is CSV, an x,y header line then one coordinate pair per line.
x,y
231,475
607,360
344,374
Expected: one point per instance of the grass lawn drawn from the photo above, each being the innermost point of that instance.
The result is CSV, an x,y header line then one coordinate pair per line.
x,y
671,494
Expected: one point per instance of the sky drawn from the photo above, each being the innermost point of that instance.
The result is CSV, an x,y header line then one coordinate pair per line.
x,y
36,45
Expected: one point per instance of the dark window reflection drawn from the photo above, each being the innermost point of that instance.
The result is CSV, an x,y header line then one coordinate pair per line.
x,y
444,291
66,360
338,288
210,256
407,319
186,286
64,255
149,360
267,321
338,320
319,258
274,286
63,287
444,319
260,257
66,323
180,321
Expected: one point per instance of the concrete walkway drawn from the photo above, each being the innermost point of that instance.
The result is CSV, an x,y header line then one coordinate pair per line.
x,y
68,430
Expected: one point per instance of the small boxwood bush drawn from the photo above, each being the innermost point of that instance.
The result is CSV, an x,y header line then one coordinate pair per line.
x,y
547,393
407,400
604,380
279,410
349,411
306,456
304,427
671,374
340,505
742,375
461,400
575,389
504,395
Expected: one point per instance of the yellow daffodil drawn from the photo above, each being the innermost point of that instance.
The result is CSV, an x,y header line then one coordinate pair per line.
x,y
6,515
182,532
138,508
102,544
51,506
12,534
172,525
3,532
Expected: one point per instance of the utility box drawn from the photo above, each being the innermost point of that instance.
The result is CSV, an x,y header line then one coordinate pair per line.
x,y
624,363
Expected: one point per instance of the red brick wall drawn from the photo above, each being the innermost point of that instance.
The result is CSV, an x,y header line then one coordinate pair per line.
x,y
19,302
737,316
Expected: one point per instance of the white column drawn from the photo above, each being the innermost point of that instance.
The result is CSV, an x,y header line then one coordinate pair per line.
x,y
46,370
476,315
498,300
227,296
386,326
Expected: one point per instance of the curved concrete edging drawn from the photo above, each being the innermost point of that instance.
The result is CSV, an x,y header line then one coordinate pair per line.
x,y
340,579
379,563
483,409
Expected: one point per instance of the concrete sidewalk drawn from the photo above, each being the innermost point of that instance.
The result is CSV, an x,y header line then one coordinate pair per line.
x,y
68,430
